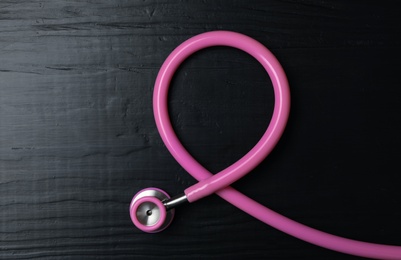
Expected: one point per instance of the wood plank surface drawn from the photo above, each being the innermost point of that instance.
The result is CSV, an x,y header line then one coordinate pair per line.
x,y
78,138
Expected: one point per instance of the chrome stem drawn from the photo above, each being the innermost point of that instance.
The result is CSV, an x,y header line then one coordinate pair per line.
x,y
175,201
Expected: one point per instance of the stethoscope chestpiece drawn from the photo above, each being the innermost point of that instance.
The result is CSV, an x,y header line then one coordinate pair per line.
x,y
147,211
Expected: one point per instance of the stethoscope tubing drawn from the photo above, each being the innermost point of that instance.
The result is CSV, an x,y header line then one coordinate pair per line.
x,y
219,183
210,184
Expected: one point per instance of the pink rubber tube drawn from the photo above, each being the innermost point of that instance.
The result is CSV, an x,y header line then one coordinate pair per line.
x,y
219,183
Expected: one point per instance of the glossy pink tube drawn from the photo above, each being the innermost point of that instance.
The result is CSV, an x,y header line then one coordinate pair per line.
x,y
219,183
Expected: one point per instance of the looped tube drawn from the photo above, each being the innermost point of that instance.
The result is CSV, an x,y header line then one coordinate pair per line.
x,y
219,183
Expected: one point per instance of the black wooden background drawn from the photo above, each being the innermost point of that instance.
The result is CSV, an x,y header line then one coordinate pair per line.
x,y
78,138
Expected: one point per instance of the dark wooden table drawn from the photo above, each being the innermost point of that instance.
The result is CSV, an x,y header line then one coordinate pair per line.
x,y
78,138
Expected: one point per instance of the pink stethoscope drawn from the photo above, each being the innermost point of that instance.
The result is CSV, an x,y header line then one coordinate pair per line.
x,y
152,209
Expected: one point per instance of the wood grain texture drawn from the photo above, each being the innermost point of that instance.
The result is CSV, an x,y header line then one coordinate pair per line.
x,y
78,139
